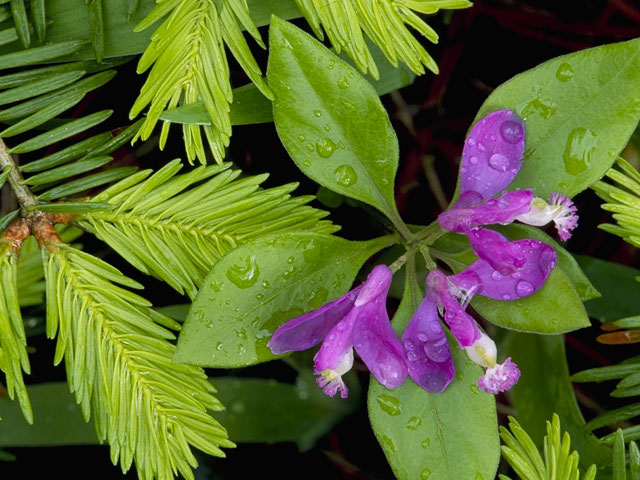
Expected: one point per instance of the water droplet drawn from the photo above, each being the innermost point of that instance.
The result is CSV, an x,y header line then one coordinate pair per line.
x,y
217,286
425,443
290,260
499,162
389,443
241,350
422,336
350,74
317,113
198,316
544,108
301,138
310,147
564,72
259,296
524,288
496,275
473,160
246,274
506,296
318,298
579,149
389,404
474,388
345,175
408,344
412,356
481,147
562,185
479,476
425,474
306,163
511,132
241,334
325,147
266,284
219,346
471,141
414,423
327,127
343,83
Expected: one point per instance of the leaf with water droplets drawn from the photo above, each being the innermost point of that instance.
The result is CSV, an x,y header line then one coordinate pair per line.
x,y
579,109
442,436
258,286
354,150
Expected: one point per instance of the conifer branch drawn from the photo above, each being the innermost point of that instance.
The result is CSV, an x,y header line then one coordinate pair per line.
x,y
119,365
176,227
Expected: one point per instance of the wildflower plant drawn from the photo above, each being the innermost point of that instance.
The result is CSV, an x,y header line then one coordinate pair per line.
x,y
482,287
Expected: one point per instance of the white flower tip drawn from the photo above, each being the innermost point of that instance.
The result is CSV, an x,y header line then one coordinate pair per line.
x,y
331,382
566,219
499,378
483,351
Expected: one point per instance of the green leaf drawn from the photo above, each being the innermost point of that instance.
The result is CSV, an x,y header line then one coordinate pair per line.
x,y
618,285
39,54
555,308
330,119
258,286
446,436
58,420
266,411
580,110
544,388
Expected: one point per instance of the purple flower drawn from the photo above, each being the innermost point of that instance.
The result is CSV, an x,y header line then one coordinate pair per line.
x,y
491,159
504,271
357,320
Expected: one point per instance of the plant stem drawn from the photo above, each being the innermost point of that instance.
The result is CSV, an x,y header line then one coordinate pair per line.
x,y
22,193
428,234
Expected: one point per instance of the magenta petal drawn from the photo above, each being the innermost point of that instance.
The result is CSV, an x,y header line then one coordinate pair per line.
x,y
336,344
308,330
492,154
426,348
538,259
499,378
377,344
503,209
461,324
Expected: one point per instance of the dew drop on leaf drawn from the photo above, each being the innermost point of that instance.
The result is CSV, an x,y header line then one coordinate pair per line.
x,y
389,443
389,405
578,151
326,147
564,72
345,175
425,474
246,274
414,423
425,443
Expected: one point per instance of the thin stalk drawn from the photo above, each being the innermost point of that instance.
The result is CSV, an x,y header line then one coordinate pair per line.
x,y
22,193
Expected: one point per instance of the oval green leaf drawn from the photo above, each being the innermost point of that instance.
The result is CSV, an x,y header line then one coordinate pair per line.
x,y
580,110
330,119
446,436
258,286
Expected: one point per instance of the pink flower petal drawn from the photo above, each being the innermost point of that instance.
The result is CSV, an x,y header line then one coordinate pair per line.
x,y
492,154
426,348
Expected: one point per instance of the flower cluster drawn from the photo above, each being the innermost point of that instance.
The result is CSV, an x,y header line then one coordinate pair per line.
x,y
504,270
